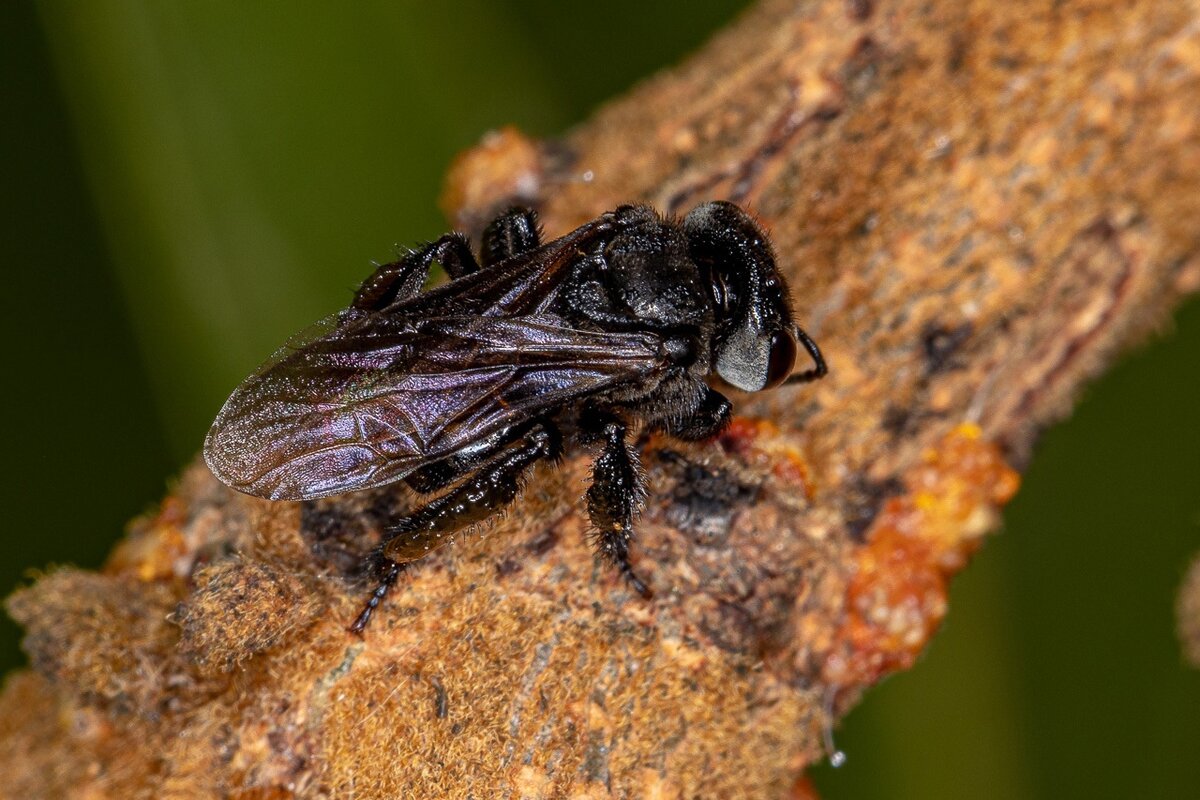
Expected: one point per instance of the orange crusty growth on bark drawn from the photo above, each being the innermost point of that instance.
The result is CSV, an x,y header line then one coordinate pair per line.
x,y
505,168
897,596
757,443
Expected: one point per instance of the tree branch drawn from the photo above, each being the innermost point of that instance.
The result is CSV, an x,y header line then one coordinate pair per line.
x,y
977,206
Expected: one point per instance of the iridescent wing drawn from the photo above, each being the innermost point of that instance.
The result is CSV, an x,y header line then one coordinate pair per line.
x,y
378,396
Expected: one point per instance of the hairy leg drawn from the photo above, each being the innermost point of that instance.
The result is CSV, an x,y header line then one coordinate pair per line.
x,y
616,495
403,279
494,485
709,419
440,474
510,234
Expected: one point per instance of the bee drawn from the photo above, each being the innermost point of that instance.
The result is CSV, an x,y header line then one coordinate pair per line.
x,y
533,349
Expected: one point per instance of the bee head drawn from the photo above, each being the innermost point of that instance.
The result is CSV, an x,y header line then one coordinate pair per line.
x,y
755,345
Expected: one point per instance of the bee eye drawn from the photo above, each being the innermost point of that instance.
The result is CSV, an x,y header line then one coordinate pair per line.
x,y
782,359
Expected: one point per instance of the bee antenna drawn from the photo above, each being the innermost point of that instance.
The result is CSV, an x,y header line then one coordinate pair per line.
x,y
819,369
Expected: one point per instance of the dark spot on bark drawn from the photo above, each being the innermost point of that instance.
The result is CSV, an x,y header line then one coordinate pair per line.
x,y
859,10
864,498
732,628
595,758
705,500
941,343
862,67
958,53
904,421
897,420
341,532
869,223
543,543
508,566
441,704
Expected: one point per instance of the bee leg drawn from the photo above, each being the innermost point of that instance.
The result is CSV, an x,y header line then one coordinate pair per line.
x,y
403,279
440,474
495,484
389,571
512,233
435,477
616,494
709,419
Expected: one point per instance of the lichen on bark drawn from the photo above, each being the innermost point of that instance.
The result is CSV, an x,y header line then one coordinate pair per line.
x,y
976,205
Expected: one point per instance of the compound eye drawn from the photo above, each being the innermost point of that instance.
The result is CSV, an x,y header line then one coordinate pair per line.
x,y
782,359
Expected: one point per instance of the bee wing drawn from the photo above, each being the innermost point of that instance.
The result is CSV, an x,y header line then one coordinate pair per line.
x,y
376,397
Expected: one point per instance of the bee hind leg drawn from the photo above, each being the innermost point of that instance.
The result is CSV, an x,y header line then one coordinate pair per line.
x,y
440,474
388,571
495,484
403,279
514,232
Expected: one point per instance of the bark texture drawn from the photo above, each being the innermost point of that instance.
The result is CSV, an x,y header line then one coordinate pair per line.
x,y
977,205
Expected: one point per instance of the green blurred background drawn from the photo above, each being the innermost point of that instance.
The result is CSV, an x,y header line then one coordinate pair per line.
x,y
186,184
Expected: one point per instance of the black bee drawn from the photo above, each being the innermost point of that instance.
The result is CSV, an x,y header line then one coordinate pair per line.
x,y
469,383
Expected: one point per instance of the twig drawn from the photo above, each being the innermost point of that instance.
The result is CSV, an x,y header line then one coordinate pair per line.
x,y
977,205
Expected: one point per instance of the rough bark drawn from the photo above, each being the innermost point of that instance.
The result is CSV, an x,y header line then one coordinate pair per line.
x,y
977,205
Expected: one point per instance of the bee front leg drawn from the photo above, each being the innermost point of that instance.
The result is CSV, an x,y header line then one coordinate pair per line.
x,y
616,494
403,279
512,233
706,421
